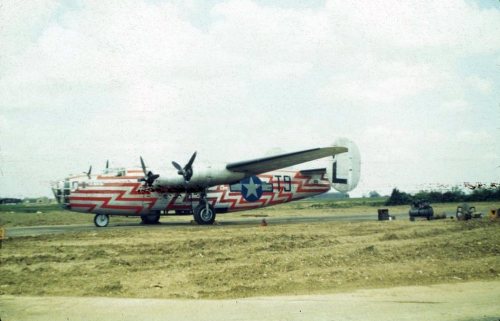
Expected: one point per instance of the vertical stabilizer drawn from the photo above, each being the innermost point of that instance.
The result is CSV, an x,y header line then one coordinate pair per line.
x,y
344,169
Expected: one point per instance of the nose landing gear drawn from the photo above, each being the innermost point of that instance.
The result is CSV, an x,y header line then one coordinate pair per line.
x,y
101,220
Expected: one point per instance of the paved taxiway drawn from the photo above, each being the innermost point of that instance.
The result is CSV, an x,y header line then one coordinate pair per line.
x,y
165,223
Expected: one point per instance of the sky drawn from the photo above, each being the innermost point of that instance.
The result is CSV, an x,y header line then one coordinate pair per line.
x,y
415,84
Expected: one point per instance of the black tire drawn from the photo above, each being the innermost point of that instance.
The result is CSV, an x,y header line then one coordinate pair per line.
x,y
202,217
101,220
150,219
412,218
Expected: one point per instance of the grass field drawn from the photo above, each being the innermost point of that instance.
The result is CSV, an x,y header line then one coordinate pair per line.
x,y
224,261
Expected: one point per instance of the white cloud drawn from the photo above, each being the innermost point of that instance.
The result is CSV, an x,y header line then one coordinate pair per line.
x,y
269,34
482,85
470,137
20,23
4,124
142,77
456,106
417,25
279,71
373,82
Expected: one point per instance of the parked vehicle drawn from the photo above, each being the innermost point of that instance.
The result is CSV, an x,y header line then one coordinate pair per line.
x,y
466,212
421,208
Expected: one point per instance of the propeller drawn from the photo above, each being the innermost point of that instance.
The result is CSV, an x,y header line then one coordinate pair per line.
x,y
187,170
90,171
149,178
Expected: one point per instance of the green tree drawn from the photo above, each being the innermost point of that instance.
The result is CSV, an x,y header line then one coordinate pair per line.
x,y
399,198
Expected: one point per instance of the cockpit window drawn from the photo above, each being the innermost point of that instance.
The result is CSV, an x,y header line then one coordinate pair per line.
x,y
114,172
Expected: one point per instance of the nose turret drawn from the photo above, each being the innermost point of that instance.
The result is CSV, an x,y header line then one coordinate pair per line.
x,y
62,190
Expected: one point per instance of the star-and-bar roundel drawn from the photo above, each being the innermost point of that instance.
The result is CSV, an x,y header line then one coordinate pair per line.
x,y
251,188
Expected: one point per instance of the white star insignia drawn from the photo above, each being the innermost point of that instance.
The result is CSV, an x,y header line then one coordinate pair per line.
x,y
252,188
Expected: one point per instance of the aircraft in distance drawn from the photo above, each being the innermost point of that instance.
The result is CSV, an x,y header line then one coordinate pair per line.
x,y
206,192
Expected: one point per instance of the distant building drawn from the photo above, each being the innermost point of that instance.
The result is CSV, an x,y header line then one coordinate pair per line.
x,y
10,201
43,200
39,200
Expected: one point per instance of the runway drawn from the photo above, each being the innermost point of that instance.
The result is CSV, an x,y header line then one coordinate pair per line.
x,y
223,220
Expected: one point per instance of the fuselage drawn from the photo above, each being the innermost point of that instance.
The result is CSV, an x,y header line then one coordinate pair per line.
x,y
118,192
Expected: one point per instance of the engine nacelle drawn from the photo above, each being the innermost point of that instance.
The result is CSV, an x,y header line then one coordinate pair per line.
x,y
343,170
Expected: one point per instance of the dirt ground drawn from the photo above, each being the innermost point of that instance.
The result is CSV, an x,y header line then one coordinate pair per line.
x,y
292,269
228,261
459,301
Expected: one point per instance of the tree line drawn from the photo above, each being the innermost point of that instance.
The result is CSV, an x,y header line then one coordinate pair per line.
x,y
455,195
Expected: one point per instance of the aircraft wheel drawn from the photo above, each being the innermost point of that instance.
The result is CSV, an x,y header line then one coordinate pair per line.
x,y
101,220
202,216
150,219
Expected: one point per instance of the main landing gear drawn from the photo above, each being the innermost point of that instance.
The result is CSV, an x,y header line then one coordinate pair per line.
x,y
150,219
204,213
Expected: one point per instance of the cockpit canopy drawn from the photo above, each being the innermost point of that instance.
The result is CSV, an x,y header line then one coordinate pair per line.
x,y
63,188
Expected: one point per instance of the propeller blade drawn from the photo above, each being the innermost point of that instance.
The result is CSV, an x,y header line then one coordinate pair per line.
x,y
143,166
107,164
177,166
149,178
187,171
191,160
90,171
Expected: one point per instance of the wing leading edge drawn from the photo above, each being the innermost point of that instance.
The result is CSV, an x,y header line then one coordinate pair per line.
x,y
267,164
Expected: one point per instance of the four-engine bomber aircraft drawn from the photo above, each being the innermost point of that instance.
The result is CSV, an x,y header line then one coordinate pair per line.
x,y
204,192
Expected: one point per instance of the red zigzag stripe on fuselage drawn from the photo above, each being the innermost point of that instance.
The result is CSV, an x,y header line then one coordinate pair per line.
x,y
119,198
219,196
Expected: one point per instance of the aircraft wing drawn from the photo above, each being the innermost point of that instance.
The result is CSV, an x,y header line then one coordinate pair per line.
x,y
267,164
236,171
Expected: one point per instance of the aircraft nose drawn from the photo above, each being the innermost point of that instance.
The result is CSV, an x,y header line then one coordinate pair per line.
x,y
61,190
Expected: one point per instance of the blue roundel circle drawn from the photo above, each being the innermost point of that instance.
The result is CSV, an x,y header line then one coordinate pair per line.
x,y
251,188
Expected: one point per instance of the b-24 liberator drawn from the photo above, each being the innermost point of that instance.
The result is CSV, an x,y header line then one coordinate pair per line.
x,y
205,192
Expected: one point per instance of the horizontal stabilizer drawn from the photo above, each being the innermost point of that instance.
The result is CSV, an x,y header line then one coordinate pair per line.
x,y
309,172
